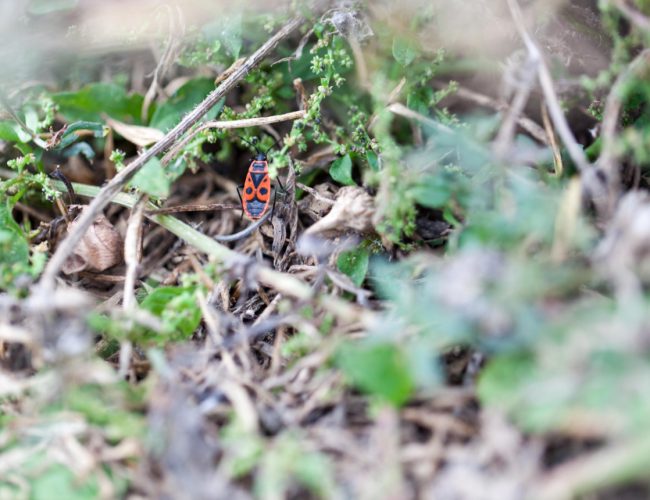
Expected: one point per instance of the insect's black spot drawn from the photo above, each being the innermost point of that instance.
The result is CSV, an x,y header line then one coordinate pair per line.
x,y
249,190
263,191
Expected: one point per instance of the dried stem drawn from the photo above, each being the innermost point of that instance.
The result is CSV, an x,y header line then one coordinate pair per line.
x,y
401,110
616,463
132,257
546,82
486,101
247,122
193,208
166,61
506,134
611,114
132,254
120,180
557,156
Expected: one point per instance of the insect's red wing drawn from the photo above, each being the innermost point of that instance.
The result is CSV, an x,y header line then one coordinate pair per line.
x,y
257,192
264,189
249,188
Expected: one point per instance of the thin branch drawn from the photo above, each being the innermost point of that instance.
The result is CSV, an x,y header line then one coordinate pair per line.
x,y
486,101
229,124
546,82
597,186
503,142
122,178
132,243
193,208
216,206
401,110
557,156
166,60
132,257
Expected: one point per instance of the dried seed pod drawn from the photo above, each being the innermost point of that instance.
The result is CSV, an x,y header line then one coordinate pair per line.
x,y
99,249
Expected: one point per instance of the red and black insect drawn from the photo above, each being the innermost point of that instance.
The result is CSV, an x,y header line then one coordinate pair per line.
x,y
257,187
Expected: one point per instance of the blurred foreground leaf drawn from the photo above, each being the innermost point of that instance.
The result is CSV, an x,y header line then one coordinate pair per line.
x,y
14,248
177,307
377,368
94,101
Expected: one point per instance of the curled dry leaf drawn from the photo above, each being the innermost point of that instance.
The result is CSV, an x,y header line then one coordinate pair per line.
x,y
98,250
136,134
352,211
319,201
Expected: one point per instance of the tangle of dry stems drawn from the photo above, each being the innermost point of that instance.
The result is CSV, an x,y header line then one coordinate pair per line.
x,y
48,279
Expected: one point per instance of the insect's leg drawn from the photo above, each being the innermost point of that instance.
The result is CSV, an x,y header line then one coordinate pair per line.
x,y
280,184
241,202
57,174
275,197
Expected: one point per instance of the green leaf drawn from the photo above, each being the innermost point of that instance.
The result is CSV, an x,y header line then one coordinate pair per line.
x,y
59,482
31,119
9,132
373,160
341,170
168,114
500,376
177,307
232,35
226,30
354,264
379,369
82,148
152,179
433,191
14,249
107,407
70,136
97,99
404,51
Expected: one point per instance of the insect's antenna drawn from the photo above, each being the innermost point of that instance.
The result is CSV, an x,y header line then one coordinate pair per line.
x,y
251,144
272,146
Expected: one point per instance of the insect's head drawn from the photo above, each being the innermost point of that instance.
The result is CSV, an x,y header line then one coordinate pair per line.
x,y
261,156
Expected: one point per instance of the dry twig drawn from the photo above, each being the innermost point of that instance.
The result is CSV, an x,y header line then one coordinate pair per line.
x,y
132,257
230,124
486,101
